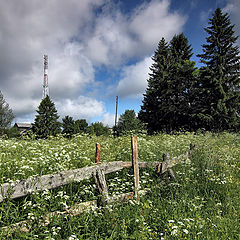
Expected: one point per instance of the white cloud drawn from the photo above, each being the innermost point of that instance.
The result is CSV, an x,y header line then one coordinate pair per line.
x,y
108,119
77,40
134,79
117,37
29,30
80,108
153,21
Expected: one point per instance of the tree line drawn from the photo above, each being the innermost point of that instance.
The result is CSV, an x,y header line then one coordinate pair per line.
x,y
179,96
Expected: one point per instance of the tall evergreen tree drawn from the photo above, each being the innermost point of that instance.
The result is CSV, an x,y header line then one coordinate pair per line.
x,y
220,75
68,126
45,123
166,103
182,80
152,111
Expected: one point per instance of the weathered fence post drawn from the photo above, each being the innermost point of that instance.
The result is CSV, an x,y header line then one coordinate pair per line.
x,y
100,181
98,153
135,166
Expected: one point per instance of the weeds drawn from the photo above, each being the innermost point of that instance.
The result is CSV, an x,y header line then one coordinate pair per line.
x,y
202,204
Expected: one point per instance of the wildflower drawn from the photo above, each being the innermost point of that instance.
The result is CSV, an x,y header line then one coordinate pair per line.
x,y
174,232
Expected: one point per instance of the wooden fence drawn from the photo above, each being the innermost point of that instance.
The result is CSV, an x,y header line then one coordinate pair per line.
x,y
50,181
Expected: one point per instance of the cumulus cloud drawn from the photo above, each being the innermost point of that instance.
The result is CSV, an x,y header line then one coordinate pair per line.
x,y
80,108
78,36
116,36
134,79
29,30
108,119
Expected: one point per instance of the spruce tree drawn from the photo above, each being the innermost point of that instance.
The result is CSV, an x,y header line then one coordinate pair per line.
x,y
220,76
182,80
68,125
45,123
166,104
152,111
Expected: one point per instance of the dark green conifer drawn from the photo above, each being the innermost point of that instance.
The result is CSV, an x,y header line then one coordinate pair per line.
x,y
68,126
220,75
166,103
153,109
45,123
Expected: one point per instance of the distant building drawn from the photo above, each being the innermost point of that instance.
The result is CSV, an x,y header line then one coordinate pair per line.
x,y
23,127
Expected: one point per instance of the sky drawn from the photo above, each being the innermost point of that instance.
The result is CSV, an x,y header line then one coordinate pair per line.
x,y
97,50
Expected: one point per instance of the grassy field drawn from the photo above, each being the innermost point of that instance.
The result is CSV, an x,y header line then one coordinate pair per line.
x,y
203,203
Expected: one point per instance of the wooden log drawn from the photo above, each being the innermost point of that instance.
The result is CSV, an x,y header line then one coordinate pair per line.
x,y
73,211
50,181
100,181
135,166
98,152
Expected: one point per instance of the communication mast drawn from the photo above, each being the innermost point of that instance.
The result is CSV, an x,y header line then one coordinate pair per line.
x,y
45,79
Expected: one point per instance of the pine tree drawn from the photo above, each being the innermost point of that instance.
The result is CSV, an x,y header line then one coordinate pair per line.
x,y
6,114
68,126
220,76
45,123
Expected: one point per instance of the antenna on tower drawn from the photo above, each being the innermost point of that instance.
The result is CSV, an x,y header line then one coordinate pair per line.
x,y
45,78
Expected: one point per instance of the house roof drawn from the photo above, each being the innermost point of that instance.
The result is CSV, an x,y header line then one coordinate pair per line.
x,y
23,125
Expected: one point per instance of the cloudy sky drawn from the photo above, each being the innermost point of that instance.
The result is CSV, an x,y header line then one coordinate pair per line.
x,y
97,49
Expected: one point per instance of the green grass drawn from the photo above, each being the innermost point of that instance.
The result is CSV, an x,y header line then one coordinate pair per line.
x,y
202,204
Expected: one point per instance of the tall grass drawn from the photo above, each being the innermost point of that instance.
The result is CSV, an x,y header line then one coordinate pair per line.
x,y
202,204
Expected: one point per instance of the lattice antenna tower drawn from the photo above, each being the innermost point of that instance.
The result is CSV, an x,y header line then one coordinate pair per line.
x,y
45,78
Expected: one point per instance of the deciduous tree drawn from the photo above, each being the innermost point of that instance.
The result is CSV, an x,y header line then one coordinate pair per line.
x,y
6,114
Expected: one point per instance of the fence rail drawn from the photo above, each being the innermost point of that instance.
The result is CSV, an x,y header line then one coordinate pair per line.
x,y
50,181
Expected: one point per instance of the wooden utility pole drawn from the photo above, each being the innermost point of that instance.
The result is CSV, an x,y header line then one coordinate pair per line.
x,y
116,111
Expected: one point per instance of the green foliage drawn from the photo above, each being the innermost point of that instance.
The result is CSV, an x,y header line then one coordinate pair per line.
x,y
128,123
6,114
12,132
202,204
80,126
168,101
98,129
220,76
45,123
68,126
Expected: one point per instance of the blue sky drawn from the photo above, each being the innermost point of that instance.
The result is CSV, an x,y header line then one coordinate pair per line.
x,y
97,49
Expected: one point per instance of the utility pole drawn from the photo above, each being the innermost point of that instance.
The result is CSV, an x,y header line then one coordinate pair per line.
x,y
116,111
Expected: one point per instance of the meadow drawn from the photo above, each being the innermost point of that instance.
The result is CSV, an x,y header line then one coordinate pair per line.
x,y
202,204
